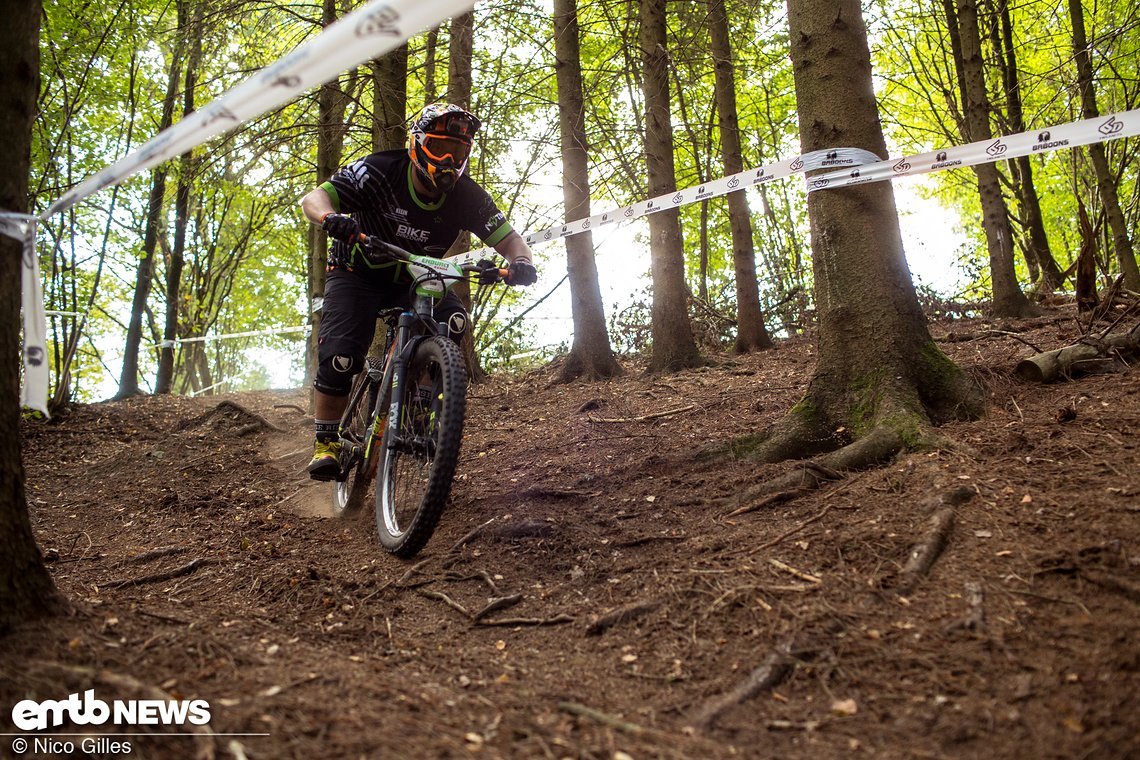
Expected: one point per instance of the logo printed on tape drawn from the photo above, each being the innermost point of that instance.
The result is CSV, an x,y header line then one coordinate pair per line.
x,y
1045,141
797,165
820,183
940,161
997,149
1111,127
382,21
902,167
734,182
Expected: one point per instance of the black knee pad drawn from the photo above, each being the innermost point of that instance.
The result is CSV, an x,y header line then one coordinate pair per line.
x,y
335,373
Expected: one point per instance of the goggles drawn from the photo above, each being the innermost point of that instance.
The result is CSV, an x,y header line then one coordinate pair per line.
x,y
440,147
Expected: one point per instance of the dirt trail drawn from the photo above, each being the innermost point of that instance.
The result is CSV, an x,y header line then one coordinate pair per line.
x,y
590,591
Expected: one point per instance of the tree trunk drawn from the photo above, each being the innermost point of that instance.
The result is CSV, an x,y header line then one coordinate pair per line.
x,y
460,63
1008,300
879,378
129,377
165,378
1106,185
751,334
390,101
673,344
590,355
1037,246
331,102
26,588
431,45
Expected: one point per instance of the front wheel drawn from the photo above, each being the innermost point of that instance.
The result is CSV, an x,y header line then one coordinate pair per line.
x,y
421,449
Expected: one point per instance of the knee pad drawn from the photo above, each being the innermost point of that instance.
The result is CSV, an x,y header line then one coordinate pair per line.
x,y
335,373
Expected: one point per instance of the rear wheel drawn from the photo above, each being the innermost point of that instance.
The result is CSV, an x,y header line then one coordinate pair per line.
x,y
420,452
357,461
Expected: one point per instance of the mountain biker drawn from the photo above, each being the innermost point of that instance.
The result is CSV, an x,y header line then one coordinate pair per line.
x,y
419,199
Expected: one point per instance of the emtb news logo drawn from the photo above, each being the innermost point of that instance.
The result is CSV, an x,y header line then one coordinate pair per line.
x,y
29,715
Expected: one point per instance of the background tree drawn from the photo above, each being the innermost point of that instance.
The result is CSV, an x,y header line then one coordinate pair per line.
x,y
1007,298
879,379
590,355
673,345
1105,181
751,334
26,588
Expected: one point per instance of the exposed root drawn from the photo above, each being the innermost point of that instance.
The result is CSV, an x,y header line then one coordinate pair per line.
x,y
777,668
166,575
621,615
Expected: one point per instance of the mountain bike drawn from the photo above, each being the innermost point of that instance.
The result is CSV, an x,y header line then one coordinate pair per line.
x,y
404,421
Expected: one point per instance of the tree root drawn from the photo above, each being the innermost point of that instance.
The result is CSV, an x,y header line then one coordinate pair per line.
x,y
621,615
777,668
166,575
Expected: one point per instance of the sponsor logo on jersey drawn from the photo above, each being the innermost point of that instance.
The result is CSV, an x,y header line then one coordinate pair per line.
x,y
407,232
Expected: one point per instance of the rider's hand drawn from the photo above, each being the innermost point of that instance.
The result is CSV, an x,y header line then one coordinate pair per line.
x,y
340,227
522,273
488,272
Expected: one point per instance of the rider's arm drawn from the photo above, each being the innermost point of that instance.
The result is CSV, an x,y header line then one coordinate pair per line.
x,y
317,204
513,248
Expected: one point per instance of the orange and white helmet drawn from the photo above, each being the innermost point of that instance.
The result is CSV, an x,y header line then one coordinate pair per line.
x,y
439,144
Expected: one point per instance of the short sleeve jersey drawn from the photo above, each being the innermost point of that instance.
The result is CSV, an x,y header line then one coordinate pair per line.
x,y
377,191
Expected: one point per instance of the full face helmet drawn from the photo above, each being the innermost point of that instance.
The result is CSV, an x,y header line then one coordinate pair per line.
x,y
440,143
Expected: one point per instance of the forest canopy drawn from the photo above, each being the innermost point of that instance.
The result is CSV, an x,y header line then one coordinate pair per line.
x,y
227,251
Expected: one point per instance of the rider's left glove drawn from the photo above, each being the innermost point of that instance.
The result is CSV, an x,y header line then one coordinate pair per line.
x,y
340,227
522,273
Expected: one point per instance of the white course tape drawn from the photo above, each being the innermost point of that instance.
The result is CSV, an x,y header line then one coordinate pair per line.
x,y
1071,135
865,167
211,338
34,392
369,32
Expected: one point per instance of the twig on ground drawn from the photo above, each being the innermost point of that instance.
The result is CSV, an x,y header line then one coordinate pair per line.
x,y
470,535
621,615
446,600
776,498
644,417
605,719
926,552
177,572
777,668
410,572
500,603
162,551
792,532
556,620
793,571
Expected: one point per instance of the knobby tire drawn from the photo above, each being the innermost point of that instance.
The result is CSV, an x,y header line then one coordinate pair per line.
x,y
418,460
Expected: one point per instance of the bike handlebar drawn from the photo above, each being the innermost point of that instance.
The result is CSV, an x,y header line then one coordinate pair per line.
x,y
484,268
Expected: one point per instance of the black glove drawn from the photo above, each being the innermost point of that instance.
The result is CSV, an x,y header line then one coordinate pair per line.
x,y
522,273
340,227
488,272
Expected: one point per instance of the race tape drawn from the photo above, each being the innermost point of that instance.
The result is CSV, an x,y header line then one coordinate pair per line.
x,y
367,33
211,338
1071,135
33,393
861,167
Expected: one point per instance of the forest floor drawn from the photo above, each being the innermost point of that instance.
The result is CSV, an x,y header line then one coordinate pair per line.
x,y
778,632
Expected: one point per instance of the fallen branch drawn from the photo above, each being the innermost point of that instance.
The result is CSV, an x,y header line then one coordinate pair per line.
x,y
621,615
926,552
1070,361
605,719
162,551
501,603
556,620
644,417
177,572
776,669
776,498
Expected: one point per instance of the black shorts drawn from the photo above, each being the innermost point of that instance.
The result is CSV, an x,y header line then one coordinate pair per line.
x,y
348,324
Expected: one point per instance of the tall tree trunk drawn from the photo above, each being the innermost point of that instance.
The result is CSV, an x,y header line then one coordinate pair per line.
x,y
1121,241
1008,300
751,334
430,48
673,344
390,101
26,588
590,355
129,377
192,30
1037,246
460,78
879,377
331,102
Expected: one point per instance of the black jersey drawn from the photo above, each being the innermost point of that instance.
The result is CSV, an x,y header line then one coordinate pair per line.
x,y
377,191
